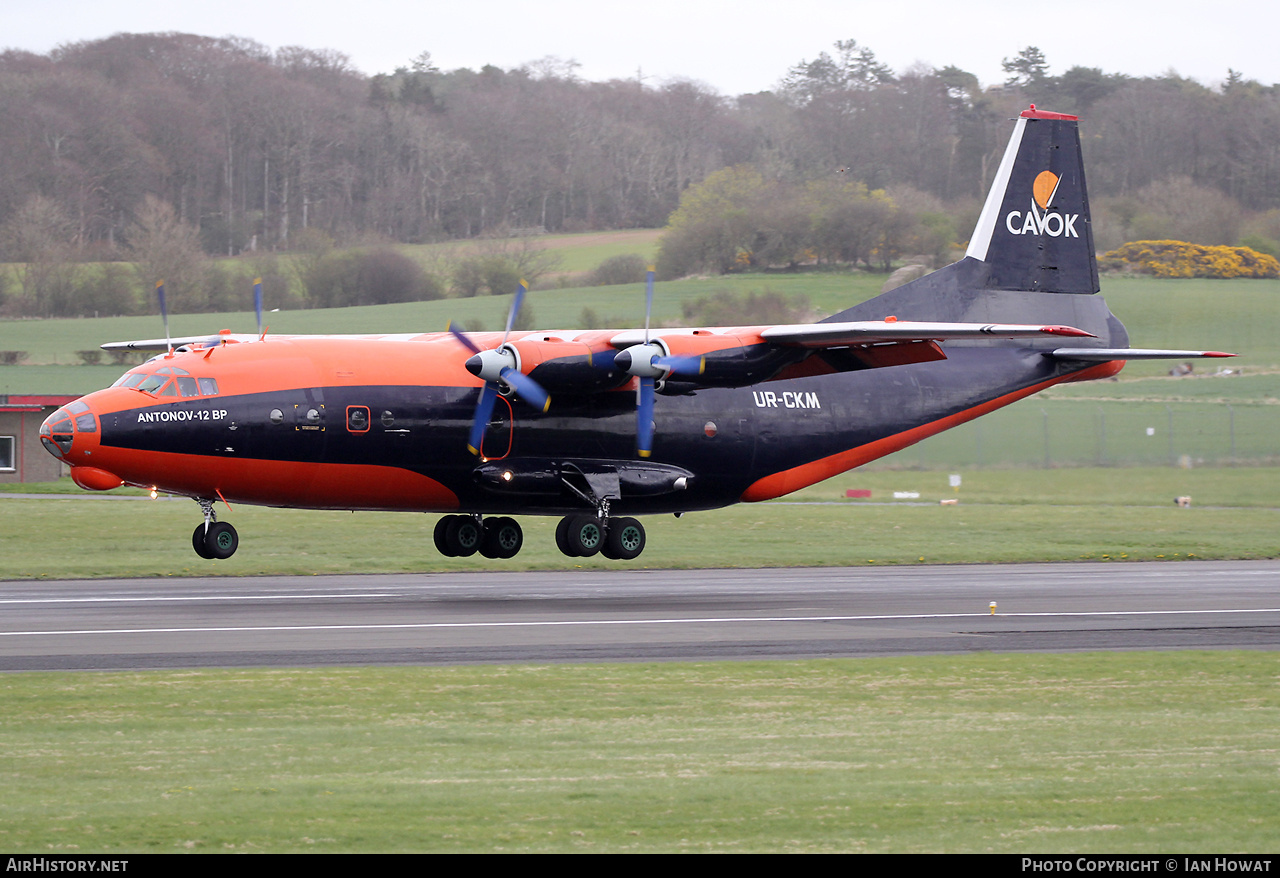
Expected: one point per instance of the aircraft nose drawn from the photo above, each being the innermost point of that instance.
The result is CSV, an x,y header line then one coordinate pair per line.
x,y
56,433
59,431
70,434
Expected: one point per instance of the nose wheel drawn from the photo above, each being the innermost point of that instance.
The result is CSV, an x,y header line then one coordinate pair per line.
x,y
214,540
216,543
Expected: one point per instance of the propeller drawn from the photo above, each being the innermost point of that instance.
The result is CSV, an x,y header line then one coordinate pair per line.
x,y
164,316
257,306
500,370
650,363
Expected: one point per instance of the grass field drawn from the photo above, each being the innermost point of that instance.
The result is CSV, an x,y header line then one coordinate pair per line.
x,y
1117,752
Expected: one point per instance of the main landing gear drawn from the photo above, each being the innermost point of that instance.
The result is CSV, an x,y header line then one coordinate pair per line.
x,y
459,536
214,540
618,539
578,536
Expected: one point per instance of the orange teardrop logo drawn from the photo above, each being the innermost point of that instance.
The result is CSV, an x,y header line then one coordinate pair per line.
x,y
1045,185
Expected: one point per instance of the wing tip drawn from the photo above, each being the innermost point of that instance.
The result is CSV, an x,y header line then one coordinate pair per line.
x,y
1067,330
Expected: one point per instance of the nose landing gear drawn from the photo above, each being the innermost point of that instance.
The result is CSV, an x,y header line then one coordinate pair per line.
x,y
214,540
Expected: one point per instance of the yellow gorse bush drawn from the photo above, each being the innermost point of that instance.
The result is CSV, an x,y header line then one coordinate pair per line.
x,y
1181,259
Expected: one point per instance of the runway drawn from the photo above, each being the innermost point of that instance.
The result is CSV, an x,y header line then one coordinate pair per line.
x,y
628,615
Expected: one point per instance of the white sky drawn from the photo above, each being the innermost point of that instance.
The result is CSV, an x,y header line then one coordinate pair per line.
x,y
735,47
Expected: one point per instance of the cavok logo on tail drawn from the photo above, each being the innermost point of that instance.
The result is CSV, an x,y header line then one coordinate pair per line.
x,y
1040,220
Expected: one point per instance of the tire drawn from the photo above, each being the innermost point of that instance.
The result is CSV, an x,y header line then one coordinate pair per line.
x,y
197,543
464,537
502,538
441,536
562,536
584,535
625,540
221,541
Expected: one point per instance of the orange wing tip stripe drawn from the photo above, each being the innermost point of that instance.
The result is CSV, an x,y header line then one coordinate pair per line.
x,y
1067,330
1219,354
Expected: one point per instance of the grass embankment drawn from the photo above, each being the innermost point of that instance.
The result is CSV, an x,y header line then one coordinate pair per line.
x,y
1132,752
1003,516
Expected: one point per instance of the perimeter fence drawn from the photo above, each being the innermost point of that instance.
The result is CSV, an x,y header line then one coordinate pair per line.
x,y
1055,433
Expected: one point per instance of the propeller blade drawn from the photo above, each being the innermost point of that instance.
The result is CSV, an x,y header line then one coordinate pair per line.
x,y
648,301
164,315
515,308
644,417
689,366
462,337
526,388
484,410
257,304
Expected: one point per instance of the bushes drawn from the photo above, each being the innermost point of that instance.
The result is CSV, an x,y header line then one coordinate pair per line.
x,y
1180,259
630,268
486,274
374,277
724,308
736,219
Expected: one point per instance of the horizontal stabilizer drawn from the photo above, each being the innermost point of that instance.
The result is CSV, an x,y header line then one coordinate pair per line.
x,y
1103,355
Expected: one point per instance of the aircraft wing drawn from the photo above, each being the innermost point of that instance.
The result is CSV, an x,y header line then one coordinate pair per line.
x,y
163,344
859,332
825,335
1108,354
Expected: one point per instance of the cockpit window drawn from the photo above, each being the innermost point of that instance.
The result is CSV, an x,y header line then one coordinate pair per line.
x,y
159,383
153,383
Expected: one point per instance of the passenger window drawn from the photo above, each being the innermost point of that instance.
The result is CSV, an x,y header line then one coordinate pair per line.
x,y
388,419
358,418
277,416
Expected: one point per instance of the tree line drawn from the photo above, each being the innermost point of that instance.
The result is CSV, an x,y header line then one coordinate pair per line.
x,y
233,149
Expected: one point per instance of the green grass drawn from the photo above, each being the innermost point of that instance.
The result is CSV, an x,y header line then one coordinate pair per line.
x,y
1003,516
1117,752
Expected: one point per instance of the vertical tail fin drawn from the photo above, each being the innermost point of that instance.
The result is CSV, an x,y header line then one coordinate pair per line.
x,y
1035,232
